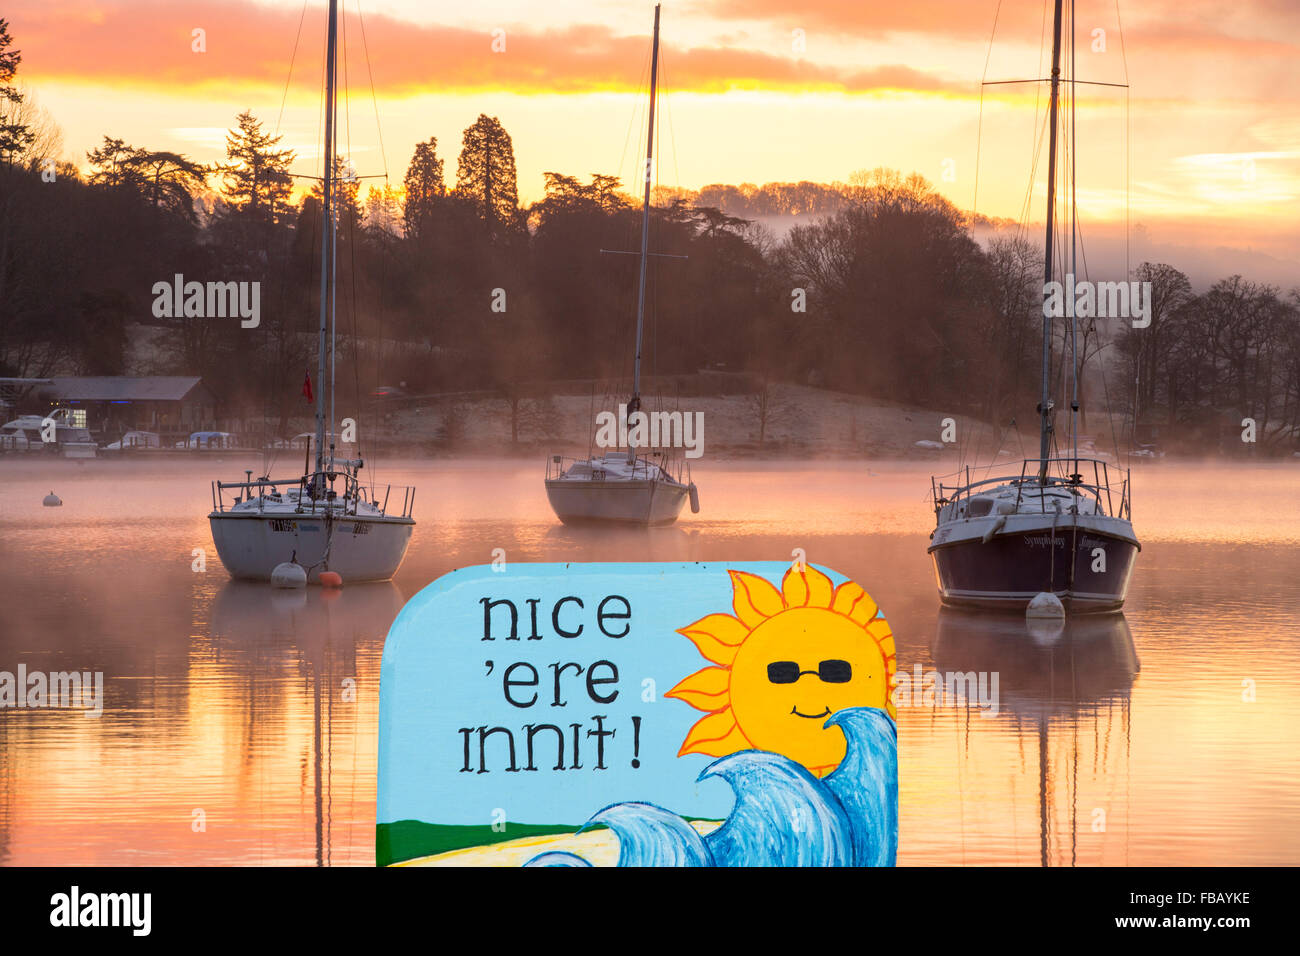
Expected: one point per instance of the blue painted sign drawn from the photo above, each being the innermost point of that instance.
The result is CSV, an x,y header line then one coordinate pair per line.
x,y
638,714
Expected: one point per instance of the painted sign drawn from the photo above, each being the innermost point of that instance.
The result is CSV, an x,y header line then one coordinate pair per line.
x,y
638,714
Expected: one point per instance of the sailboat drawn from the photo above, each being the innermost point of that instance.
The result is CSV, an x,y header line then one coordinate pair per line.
x,y
324,519
1059,526
622,487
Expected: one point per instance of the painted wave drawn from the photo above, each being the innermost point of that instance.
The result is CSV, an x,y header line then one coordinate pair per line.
x,y
783,815
651,836
557,858
866,783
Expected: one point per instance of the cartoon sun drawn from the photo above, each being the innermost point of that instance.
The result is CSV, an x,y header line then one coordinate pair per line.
x,y
786,662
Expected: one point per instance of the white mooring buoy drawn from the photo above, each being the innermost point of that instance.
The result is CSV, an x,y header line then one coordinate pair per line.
x,y
288,575
52,501
1045,604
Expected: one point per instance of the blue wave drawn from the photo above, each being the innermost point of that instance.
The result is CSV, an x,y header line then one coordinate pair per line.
x,y
783,815
866,783
651,836
557,858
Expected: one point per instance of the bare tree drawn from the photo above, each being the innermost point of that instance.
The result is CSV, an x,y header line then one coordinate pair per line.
x,y
766,406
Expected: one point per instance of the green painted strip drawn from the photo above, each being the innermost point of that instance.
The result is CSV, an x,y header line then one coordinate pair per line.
x,y
409,839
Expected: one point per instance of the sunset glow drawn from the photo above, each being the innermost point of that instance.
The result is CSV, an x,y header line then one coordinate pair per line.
x,y
1204,146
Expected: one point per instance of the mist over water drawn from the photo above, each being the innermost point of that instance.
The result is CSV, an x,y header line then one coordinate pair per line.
x,y
225,701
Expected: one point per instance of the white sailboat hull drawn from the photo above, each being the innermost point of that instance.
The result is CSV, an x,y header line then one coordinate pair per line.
x,y
359,548
615,501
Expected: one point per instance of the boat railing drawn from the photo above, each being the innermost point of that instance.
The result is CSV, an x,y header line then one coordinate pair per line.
x,y
310,502
1039,473
557,466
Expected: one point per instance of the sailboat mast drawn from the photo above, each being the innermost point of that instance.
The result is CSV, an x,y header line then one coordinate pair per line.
x,y
635,404
1074,258
327,230
1045,403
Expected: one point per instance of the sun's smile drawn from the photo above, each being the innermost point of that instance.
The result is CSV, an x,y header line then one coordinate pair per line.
x,y
798,713
809,639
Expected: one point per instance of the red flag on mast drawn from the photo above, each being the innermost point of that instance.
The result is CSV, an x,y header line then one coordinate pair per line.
x,y
306,387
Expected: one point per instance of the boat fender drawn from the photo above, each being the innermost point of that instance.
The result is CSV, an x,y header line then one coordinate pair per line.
x,y
288,575
1045,605
52,501
331,579
695,498
994,529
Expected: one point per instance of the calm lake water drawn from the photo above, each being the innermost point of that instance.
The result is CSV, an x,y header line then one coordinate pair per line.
x,y
1167,735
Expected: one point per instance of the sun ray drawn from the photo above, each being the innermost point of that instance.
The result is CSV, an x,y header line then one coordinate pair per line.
x,y
806,588
754,598
715,736
853,602
716,637
706,689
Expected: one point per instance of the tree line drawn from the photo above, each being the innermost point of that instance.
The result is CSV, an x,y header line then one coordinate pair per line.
x,y
452,286
1210,361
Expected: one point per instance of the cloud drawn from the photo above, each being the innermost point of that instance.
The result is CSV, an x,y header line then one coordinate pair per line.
x,y
148,43
1245,27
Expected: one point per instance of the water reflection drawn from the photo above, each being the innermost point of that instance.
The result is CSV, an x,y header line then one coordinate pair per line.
x,y
229,697
325,627
1066,684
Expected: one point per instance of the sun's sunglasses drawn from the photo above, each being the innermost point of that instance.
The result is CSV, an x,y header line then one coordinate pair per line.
x,y
832,672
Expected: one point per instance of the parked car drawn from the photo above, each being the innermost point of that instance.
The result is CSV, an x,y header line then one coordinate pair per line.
x,y
135,439
208,440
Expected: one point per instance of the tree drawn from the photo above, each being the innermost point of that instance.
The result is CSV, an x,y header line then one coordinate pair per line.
x,y
102,342
713,222
1013,324
566,196
257,181
895,274
44,136
765,406
1148,351
604,190
169,180
164,179
383,216
486,174
424,186
116,165
343,196
15,135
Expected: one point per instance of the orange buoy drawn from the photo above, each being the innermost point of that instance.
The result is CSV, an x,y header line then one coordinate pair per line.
x,y
331,579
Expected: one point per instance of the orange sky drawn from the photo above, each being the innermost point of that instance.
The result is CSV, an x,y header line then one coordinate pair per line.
x,y
755,91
